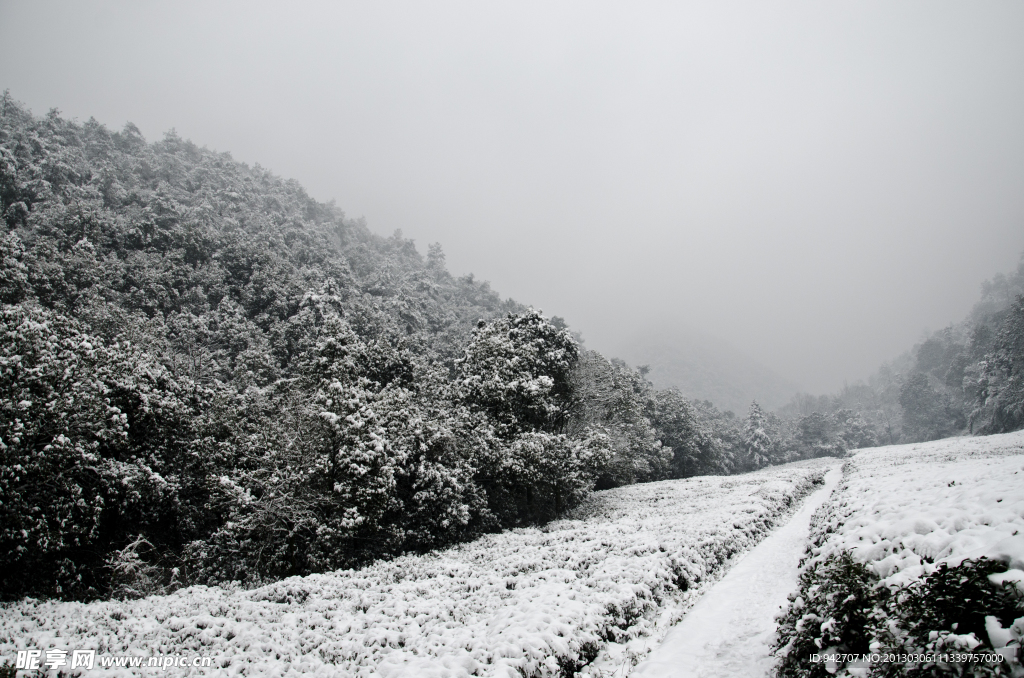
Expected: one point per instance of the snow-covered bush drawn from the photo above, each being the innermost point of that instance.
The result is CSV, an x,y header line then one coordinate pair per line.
x,y
837,604
842,607
536,476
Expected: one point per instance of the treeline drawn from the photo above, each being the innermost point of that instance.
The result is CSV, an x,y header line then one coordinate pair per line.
x,y
965,379
205,375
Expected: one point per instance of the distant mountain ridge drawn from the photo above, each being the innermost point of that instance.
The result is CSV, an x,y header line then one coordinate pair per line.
x,y
706,368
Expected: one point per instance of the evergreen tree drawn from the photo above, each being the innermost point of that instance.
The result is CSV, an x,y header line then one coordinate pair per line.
x,y
517,369
695,451
757,444
818,436
611,397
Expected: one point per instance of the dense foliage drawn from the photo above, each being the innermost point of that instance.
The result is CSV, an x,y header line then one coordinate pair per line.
x,y
842,607
206,375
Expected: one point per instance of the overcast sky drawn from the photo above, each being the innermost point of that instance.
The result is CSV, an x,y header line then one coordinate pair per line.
x,y
814,182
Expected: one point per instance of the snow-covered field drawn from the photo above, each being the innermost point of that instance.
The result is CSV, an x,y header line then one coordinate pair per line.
x,y
529,602
903,509
730,630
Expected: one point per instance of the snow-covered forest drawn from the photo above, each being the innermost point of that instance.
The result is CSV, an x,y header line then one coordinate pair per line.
x,y
208,376
221,394
963,378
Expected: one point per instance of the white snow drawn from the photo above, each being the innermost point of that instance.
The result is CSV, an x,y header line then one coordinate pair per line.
x,y
729,631
904,509
900,509
509,604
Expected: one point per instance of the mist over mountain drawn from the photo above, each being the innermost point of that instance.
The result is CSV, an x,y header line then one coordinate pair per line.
x,y
704,367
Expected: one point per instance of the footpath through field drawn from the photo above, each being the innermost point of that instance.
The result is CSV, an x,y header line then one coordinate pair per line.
x,y
729,630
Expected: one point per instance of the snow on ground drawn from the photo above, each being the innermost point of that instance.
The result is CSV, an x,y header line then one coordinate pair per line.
x,y
903,509
729,631
534,602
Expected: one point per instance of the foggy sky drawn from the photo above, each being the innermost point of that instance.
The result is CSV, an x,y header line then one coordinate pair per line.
x,y
815,183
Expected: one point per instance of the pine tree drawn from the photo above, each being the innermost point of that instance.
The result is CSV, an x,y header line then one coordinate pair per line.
x,y
755,439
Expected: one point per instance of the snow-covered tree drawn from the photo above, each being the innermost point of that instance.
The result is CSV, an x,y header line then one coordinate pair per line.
x,y
854,430
537,475
13,272
818,435
611,397
517,369
93,440
756,441
1000,398
695,451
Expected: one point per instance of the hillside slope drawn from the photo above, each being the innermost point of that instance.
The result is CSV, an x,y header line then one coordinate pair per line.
x,y
207,376
181,336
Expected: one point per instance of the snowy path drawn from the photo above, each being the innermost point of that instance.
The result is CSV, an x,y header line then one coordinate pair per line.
x,y
729,631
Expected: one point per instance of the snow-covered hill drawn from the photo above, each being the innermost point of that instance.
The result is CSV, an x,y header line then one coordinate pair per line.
x,y
535,602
